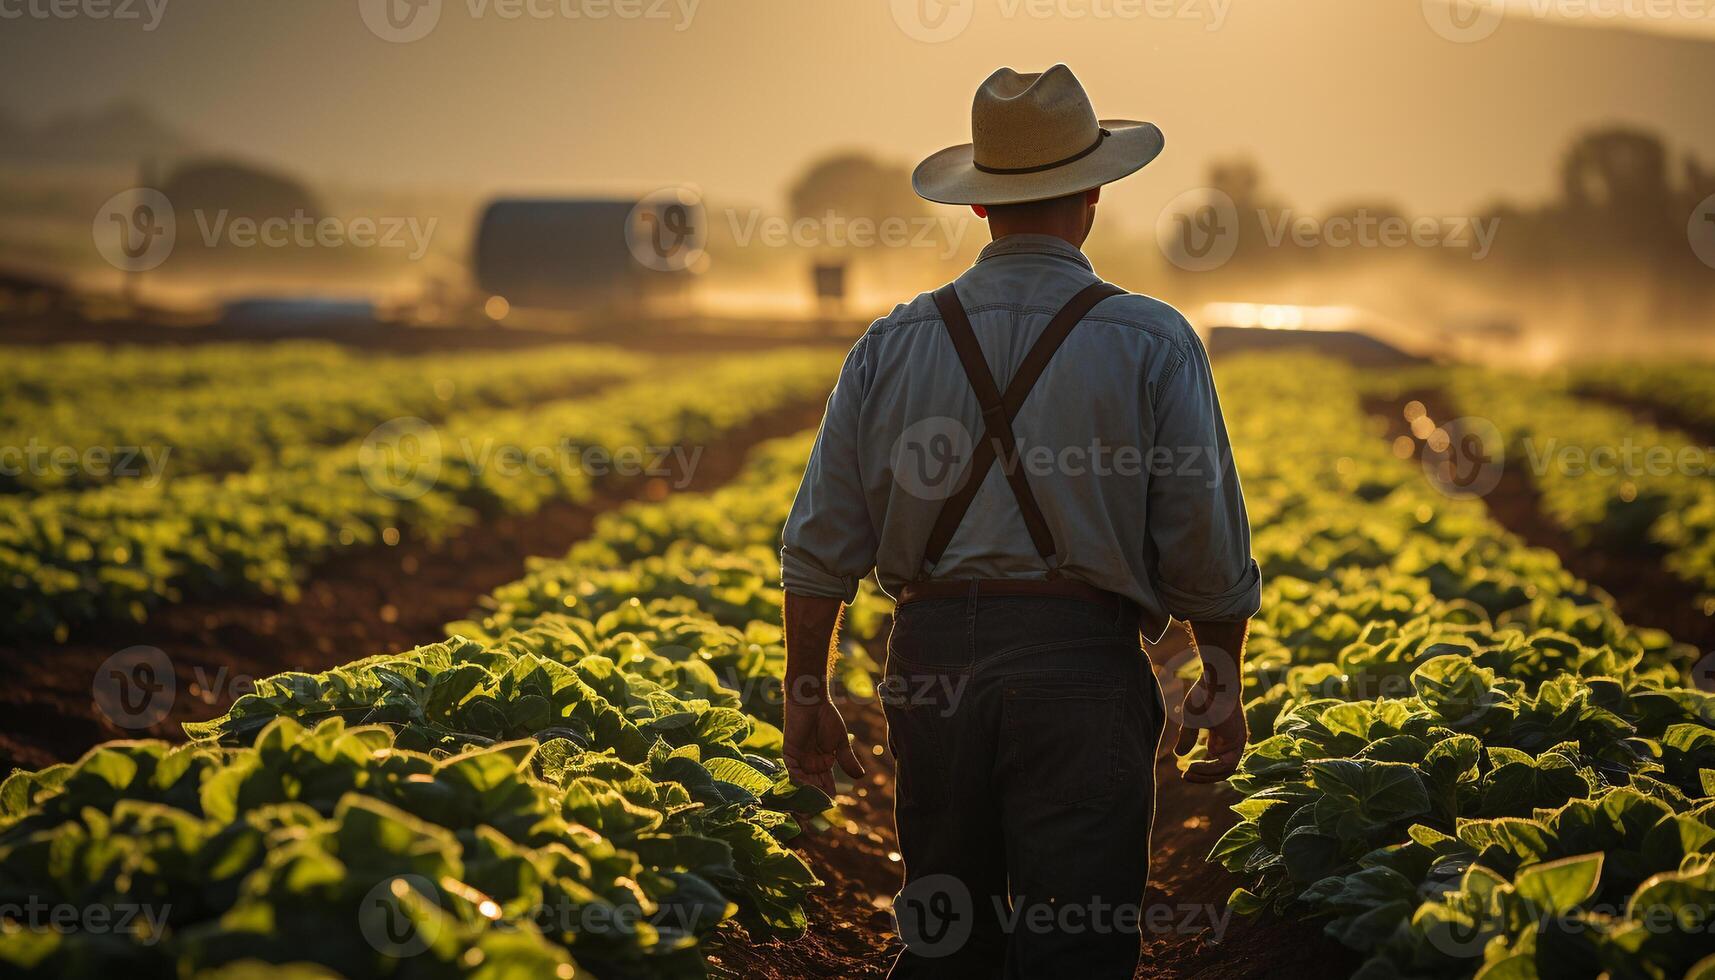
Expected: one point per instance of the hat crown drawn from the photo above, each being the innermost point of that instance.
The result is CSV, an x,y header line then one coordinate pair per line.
x,y
1031,120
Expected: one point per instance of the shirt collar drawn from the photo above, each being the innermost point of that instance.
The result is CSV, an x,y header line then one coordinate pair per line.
x,y
1034,245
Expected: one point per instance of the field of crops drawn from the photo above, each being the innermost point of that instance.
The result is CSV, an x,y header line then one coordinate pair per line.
x,y
1466,760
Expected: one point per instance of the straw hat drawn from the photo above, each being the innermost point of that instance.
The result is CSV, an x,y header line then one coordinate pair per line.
x,y
1034,137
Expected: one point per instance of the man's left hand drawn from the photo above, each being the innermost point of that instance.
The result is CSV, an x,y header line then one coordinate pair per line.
x,y
1206,709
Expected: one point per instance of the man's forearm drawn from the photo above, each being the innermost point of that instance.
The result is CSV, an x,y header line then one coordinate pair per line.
x,y
812,625
1222,647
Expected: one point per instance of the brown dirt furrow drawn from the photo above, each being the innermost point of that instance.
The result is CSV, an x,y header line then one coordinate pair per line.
x,y
367,601
1646,593
1651,414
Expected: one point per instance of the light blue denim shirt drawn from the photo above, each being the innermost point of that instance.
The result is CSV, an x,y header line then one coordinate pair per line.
x,y
1121,439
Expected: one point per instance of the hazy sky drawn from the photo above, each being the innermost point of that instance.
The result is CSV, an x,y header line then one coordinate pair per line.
x,y
1337,99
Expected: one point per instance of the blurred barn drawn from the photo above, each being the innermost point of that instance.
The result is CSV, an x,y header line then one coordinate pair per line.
x,y
588,256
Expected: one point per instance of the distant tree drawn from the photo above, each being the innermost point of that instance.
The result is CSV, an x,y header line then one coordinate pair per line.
x,y
239,189
852,186
1699,181
1615,169
1240,179
1258,215
121,133
219,197
1616,197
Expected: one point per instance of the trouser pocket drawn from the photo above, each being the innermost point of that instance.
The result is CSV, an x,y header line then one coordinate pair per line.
x,y
1061,736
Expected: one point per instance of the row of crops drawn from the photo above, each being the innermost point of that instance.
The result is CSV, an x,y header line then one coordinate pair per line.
x,y
584,781
1684,391
116,551
1610,480
1463,759
231,408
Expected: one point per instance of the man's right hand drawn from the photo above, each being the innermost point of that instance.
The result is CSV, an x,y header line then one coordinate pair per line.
x,y
1216,703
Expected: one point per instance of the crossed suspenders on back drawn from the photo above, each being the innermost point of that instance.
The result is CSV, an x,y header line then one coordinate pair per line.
x,y
999,410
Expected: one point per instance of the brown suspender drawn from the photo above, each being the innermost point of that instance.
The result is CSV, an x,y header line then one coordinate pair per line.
x,y
998,412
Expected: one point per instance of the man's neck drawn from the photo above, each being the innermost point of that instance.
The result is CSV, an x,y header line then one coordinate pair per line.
x,y
1070,237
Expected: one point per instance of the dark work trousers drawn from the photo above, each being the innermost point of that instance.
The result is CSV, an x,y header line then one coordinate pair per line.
x,y
1025,731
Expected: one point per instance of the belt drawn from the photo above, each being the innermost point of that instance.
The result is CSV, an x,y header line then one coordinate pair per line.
x,y
1017,587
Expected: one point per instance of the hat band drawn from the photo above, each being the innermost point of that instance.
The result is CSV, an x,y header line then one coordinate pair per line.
x,y
1101,134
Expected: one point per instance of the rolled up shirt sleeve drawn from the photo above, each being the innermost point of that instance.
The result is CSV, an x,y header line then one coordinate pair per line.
x,y
830,543
1199,534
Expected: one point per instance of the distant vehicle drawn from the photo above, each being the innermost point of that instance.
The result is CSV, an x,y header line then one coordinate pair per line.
x,y
1346,332
829,280
587,255
1493,327
287,314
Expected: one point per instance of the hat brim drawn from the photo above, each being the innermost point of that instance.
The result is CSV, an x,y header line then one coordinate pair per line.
x,y
951,176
